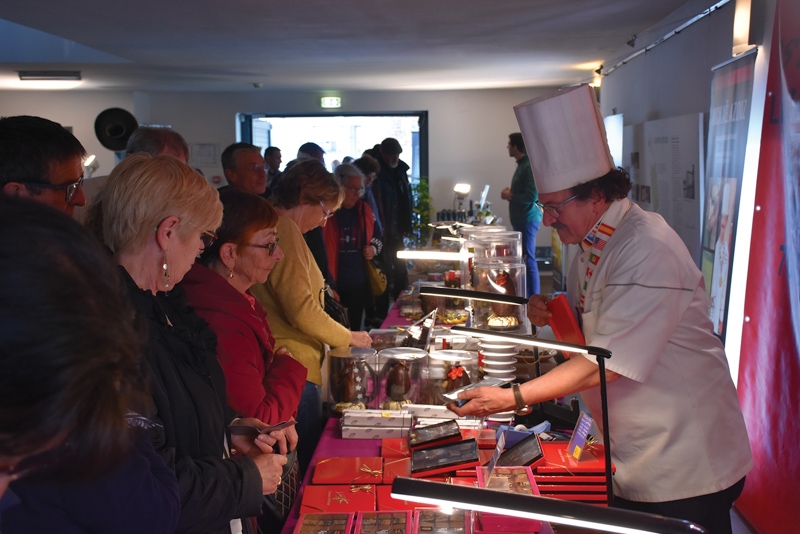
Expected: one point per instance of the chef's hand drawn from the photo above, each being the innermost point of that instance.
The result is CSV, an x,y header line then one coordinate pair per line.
x,y
248,445
369,252
360,339
291,437
538,313
505,194
270,467
485,401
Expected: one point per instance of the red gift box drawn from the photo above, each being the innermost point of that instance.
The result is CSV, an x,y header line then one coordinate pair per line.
x,y
557,460
395,448
517,480
322,523
355,470
486,437
333,499
384,521
396,467
386,502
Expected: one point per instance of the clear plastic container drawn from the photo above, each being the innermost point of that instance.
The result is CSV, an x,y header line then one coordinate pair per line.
x,y
447,370
399,377
503,279
487,242
353,380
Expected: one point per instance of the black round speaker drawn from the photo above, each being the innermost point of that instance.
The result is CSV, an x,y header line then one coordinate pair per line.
x,y
113,127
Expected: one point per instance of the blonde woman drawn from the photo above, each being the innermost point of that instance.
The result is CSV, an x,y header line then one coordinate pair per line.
x,y
158,215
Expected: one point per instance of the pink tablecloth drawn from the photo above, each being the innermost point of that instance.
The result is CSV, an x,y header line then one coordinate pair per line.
x,y
331,445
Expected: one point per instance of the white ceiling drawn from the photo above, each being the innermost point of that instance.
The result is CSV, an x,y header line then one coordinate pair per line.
x,y
229,45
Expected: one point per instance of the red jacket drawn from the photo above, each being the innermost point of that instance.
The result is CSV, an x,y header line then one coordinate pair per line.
x,y
258,383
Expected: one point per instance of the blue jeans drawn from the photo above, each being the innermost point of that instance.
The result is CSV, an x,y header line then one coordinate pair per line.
x,y
528,231
310,423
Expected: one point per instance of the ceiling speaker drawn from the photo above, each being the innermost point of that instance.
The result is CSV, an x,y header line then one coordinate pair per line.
x,y
113,127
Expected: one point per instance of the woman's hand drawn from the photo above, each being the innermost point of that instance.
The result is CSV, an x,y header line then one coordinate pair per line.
x,y
283,351
270,466
485,401
257,446
360,339
538,313
369,252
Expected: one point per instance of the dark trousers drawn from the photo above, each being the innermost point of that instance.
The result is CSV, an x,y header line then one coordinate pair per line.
x,y
712,511
528,231
396,270
310,423
355,300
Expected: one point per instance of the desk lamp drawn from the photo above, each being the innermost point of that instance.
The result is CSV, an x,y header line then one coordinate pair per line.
x,y
541,508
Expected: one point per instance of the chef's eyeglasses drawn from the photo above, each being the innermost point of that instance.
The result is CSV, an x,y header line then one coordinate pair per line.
x,y
553,210
269,246
70,190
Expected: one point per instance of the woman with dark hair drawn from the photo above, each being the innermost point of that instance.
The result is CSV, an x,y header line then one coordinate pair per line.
x,y
261,382
70,370
158,215
305,197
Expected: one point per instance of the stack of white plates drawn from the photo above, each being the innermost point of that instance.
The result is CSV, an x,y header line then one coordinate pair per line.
x,y
499,360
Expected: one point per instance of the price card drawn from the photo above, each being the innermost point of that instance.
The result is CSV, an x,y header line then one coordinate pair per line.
x,y
578,441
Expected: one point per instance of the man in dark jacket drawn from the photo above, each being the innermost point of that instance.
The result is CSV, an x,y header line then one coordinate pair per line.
x,y
392,192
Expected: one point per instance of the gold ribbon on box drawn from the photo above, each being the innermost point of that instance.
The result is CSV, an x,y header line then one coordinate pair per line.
x,y
371,472
367,488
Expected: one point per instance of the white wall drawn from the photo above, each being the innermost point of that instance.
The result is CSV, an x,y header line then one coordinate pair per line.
x,y
468,130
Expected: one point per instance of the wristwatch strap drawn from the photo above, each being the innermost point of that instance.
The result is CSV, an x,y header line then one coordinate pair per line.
x,y
518,397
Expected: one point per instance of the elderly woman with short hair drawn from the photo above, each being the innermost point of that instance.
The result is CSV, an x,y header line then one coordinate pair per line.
x,y
158,215
305,197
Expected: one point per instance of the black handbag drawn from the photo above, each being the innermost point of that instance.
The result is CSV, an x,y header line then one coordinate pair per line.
x,y
334,308
275,508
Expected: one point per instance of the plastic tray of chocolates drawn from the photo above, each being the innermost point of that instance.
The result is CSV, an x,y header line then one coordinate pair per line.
x,y
444,458
324,524
431,521
383,523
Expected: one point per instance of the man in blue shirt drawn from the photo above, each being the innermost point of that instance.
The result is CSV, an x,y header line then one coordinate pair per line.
x,y
525,216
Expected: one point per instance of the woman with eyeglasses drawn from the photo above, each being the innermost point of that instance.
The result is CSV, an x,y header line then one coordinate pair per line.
x,y
351,237
262,379
305,197
158,215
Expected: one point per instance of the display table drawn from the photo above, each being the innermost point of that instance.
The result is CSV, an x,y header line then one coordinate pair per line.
x,y
331,445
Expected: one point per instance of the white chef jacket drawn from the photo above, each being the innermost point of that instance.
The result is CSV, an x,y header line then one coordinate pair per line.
x,y
676,427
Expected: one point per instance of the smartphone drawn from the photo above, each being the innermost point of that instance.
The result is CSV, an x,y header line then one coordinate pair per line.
x,y
490,381
248,430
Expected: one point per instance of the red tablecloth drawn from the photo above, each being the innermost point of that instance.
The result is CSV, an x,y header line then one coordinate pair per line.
x,y
331,445
393,318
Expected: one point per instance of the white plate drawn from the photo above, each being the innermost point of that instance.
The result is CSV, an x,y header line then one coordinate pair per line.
x,y
453,355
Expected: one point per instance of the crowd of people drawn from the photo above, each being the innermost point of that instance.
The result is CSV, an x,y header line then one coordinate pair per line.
x,y
154,325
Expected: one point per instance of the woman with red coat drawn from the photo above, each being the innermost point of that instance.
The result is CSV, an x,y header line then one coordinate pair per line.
x,y
260,381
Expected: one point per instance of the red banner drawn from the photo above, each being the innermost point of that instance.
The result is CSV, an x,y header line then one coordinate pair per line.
x,y
769,371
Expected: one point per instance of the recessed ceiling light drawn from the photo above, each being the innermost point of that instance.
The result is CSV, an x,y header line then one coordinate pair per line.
x,y
49,75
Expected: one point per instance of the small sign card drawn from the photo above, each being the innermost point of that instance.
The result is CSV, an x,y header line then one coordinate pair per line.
x,y
578,441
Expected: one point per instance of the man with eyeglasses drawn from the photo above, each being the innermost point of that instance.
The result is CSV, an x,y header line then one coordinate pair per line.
x,y
41,160
244,168
636,291
522,208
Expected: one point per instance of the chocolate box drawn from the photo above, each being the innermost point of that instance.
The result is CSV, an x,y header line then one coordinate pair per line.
x,y
339,498
444,458
355,470
396,467
386,502
324,523
517,480
435,522
384,522
377,418
366,432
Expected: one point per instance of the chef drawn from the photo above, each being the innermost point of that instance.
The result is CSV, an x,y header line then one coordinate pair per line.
x,y
678,438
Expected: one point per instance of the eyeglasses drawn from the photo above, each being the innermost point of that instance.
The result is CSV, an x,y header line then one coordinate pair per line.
x,y
70,190
355,188
208,237
553,210
269,246
326,213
